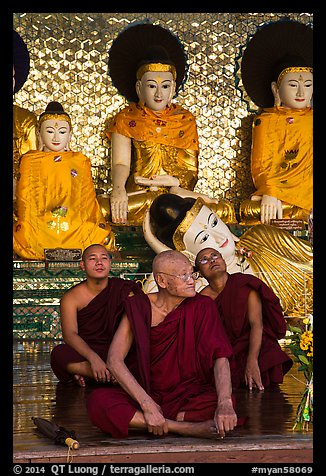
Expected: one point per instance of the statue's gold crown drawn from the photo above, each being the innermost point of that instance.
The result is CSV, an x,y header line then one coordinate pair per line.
x,y
293,69
156,67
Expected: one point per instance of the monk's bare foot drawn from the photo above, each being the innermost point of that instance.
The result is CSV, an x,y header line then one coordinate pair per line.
x,y
203,429
80,380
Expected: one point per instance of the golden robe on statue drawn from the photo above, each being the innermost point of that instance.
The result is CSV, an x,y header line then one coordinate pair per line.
x,y
281,162
57,205
283,262
24,136
165,142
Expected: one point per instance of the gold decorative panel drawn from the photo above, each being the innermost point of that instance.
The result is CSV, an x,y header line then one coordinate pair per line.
x,y
69,56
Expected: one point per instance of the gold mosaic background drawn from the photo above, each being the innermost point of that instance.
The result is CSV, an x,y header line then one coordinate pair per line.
x,y
69,55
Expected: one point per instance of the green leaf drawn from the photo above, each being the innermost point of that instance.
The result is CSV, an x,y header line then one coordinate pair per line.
x,y
295,329
295,341
304,359
301,352
302,368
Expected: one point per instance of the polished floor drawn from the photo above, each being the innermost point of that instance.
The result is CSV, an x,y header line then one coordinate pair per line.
x,y
267,435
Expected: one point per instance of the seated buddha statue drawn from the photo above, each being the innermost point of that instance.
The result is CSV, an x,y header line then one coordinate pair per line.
x,y
56,199
154,141
281,84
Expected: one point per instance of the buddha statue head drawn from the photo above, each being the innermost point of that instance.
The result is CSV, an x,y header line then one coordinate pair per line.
x,y
147,64
276,65
54,129
187,225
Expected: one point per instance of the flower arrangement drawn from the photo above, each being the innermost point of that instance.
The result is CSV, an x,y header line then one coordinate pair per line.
x,y
301,346
242,254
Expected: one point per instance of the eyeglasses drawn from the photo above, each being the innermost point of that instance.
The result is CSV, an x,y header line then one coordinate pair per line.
x,y
184,277
213,256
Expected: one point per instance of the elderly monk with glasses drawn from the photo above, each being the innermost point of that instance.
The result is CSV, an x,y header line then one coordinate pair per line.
x,y
170,356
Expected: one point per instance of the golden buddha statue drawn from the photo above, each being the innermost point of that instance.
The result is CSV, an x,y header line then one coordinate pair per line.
x,y
281,260
281,84
154,141
56,200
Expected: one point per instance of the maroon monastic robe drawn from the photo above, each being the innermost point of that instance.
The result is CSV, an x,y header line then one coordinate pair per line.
x,y
232,305
172,361
97,323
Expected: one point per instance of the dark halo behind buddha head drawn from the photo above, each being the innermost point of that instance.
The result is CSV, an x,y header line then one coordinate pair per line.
x,y
288,61
144,43
272,48
156,54
21,61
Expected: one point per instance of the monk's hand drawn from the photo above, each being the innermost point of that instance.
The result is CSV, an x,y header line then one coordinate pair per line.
x,y
252,375
225,417
113,380
154,418
119,205
99,369
270,208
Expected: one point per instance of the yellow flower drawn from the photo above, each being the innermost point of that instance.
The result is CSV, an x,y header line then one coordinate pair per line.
x,y
303,346
306,337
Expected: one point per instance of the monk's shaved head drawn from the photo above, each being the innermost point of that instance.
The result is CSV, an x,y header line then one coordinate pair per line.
x,y
92,248
173,274
169,260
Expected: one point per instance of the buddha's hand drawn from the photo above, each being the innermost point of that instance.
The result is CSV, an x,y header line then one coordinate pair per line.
x,y
119,205
210,199
270,208
158,181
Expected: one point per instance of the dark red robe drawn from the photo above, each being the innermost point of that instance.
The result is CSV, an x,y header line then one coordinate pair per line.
x,y
97,323
172,361
232,305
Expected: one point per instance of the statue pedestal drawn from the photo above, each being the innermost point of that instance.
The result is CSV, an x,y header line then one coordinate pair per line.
x,y
133,246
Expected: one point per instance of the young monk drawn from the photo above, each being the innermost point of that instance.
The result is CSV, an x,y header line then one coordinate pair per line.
x,y
253,320
170,357
89,317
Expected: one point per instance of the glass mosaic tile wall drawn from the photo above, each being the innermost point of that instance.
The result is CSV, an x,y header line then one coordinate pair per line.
x,y
69,55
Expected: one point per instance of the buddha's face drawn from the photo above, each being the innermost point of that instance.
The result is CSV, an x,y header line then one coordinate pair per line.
x,y
156,89
295,90
208,230
55,135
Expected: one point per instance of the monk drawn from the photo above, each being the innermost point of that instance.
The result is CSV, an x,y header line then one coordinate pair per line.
x,y
170,356
253,320
89,317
